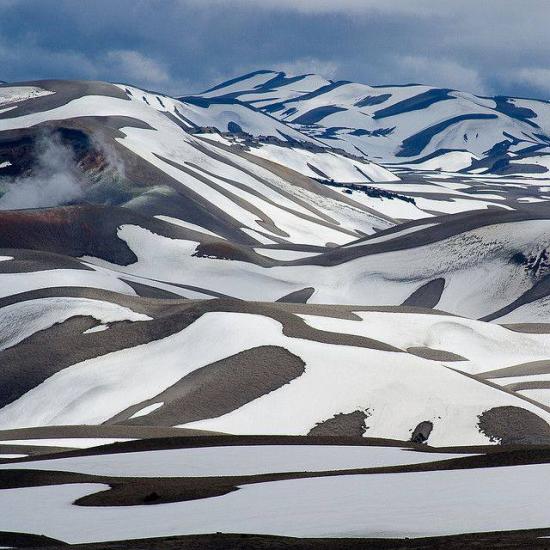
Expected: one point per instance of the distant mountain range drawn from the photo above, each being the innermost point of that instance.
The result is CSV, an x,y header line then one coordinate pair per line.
x,y
422,126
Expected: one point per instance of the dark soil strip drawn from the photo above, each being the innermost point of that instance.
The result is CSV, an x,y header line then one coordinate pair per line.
x,y
504,540
523,369
28,261
435,354
347,311
167,438
88,431
149,291
298,296
529,328
428,295
27,540
532,385
446,226
140,304
220,387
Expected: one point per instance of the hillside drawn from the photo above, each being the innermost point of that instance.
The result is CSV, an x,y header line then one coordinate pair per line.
x,y
412,125
217,311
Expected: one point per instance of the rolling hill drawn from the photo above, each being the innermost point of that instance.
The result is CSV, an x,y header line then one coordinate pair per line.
x,y
281,290
413,125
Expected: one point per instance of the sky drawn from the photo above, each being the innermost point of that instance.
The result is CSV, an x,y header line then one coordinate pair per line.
x,y
180,47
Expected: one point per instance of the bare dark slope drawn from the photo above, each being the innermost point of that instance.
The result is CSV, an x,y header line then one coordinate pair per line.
x,y
512,540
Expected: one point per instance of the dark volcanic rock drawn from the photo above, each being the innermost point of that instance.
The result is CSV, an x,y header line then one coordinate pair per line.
x,y
427,295
514,425
422,432
343,424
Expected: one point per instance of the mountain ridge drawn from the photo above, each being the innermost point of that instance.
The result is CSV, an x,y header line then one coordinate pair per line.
x,y
320,113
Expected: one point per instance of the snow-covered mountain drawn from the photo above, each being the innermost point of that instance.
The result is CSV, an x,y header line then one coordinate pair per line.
x,y
141,151
210,266
416,125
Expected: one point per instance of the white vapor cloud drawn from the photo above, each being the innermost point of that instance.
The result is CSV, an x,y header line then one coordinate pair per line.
x,y
441,72
134,66
538,77
306,65
350,7
56,179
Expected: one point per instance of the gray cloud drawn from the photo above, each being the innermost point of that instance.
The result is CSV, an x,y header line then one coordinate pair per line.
x,y
353,8
537,77
133,66
184,46
442,72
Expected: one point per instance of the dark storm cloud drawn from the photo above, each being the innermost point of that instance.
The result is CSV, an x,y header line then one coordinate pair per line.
x,y
183,46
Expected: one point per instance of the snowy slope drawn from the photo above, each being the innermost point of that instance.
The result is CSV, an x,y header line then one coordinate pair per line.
x,y
235,460
398,124
179,231
327,370
286,307
334,492
189,178
477,271
243,123
340,506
